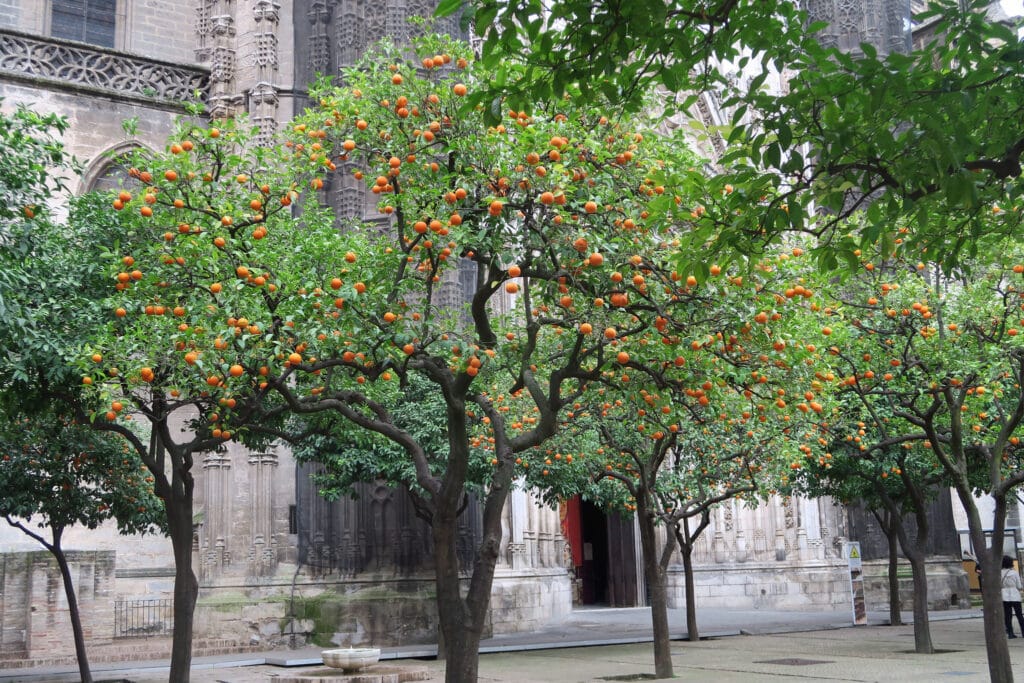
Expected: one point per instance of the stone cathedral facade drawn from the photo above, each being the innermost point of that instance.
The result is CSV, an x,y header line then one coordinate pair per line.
x,y
277,564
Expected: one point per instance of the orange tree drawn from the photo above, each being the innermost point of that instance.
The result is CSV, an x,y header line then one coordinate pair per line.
x,y
196,239
492,248
875,462
893,483
713,399
56,473
933,364
498,250
930,136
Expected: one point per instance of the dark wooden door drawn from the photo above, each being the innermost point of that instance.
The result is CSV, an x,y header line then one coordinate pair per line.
x,y
622,578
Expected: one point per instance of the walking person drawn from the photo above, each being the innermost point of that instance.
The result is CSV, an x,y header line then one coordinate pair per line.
x,y
1011,586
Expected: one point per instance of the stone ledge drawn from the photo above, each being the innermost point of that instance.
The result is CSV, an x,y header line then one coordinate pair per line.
x,y
65,65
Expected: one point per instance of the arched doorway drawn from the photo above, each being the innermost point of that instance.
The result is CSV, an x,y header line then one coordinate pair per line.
x,y
604,555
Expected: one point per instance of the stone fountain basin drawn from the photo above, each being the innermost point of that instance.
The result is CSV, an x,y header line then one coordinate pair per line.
x,y
351,659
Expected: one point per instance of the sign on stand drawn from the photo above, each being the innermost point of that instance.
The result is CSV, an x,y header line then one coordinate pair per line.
x,y
860,611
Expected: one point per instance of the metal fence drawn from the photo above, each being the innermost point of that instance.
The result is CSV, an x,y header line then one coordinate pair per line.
x,y
143,618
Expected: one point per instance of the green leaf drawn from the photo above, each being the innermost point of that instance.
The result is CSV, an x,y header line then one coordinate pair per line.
x,y
447,7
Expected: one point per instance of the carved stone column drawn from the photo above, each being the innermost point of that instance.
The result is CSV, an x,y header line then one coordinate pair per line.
x,y
220,50
216,531
761,530
263,545
780,528
397,20
718,547
518,518
742,550
885,24
319,15
728,530
263,97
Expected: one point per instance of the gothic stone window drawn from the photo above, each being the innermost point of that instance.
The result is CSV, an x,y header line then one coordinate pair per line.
x,y
109,171
87,21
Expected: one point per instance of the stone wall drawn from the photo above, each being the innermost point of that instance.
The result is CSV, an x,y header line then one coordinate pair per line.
x,y
34,615
947,584
157,29
376,610
530,600
808,585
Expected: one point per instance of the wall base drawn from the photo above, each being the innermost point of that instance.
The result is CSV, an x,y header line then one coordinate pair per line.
x,y
823,585
947,584
371,610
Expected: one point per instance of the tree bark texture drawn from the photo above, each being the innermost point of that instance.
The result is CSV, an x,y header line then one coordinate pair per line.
x,y
73,611
655,577
186,587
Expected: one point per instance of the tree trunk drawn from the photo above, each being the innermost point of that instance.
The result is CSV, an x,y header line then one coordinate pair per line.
x,y
996,646
655,577
691,607
895,617
186,587
73,612
463,620
922,626
458,647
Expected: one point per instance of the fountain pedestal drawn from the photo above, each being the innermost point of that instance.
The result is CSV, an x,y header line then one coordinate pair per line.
x,y
354,665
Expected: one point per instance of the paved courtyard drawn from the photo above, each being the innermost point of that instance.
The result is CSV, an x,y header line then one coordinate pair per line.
x,y
871,653
753,647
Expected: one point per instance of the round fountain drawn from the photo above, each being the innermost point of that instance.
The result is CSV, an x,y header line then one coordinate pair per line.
x,y
351,659
353,665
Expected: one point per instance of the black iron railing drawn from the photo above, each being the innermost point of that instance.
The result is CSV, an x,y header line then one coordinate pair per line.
x,y
143,618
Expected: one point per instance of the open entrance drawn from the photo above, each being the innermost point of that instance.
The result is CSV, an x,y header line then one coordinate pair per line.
x,y
603,555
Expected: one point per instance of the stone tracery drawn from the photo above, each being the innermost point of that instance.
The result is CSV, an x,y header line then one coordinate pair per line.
x,y
77,65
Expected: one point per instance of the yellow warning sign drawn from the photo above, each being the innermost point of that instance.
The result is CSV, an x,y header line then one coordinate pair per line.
x,y
854,552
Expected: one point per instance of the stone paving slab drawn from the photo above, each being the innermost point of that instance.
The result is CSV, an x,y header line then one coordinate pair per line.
x,y
862,655
800,646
